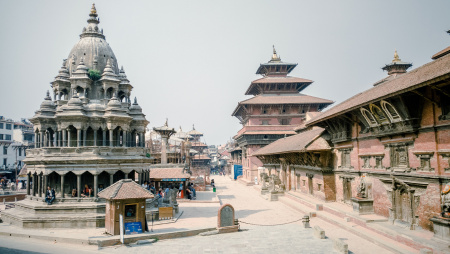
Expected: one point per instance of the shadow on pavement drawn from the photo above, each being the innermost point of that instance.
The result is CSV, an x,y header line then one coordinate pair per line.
x,y
14,251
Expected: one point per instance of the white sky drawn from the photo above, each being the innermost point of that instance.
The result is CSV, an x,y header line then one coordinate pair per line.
x,y
192,61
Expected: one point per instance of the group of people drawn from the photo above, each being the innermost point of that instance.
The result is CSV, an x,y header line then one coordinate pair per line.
x,y
149,187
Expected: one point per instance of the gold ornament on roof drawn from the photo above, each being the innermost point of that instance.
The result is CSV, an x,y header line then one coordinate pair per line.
x,y
396,58
93,10
274,55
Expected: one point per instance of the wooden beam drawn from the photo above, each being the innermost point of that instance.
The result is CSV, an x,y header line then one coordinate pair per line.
x,y
425,97
440,90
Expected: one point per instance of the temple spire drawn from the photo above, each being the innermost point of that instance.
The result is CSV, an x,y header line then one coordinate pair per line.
x,y
396,66
93,11
396,58
275,57
167,122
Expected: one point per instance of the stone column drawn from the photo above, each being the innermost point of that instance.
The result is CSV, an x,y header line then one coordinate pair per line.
x,y
95,137
84,137
28,183
95,185
39,178
118,137
126,175
62,185
111,139
163,149
33,187
44,183
43,139
68,138
111,178
104,138
60,138
124,139
78,137
79,186
64,143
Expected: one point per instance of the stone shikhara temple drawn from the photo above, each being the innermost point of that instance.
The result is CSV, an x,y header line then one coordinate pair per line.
x,y
384,151
90,133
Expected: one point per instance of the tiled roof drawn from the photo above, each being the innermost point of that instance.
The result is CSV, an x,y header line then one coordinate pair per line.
x,y
198,144
441,53
200,157
271,80
24,170
161,173
285,99
297,143
125,189
414,79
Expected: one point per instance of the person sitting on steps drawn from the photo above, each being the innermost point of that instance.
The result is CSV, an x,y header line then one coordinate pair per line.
x,y
49,195
87,191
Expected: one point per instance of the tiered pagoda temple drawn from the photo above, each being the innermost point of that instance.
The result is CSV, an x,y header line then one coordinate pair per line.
x,y
89,134
276,108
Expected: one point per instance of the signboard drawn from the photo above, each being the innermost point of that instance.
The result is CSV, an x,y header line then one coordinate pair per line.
x,y
173,179
132,228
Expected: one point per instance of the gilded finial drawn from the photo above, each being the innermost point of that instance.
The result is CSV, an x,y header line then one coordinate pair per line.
x,y
275,57
396,58
93,10
167,123
193,127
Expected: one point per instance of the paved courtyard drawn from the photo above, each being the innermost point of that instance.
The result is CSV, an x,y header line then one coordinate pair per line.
x,y
266,228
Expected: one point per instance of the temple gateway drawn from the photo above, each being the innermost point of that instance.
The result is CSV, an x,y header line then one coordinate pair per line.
x,y
89,135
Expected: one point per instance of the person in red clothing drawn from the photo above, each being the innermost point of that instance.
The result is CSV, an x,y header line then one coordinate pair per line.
x,y
87,191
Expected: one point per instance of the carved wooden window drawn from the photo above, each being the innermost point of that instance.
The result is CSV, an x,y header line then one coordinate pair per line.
x,y
399,156
379,114
345,158
369,117
425,158
366,162
390,111
378,161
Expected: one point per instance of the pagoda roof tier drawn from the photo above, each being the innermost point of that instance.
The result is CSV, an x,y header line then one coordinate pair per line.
x,y
267,84
306,141
439,69
264,69
266,130
281,99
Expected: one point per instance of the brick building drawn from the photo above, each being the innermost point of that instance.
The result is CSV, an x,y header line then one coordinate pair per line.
x,y
275,110
392,139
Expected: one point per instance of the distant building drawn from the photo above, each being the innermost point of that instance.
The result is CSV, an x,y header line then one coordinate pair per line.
x,y
276,108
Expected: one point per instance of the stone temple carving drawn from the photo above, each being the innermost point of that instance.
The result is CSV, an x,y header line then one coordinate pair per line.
x,y
445,205
89,135
275,184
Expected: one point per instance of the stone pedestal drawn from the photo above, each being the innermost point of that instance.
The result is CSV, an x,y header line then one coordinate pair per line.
x,y
362,205
441,227
264,191
273,196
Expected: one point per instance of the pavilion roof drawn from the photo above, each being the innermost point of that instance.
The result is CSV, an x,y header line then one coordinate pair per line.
x,y
419,77
161,173
300,82
305,141
125,189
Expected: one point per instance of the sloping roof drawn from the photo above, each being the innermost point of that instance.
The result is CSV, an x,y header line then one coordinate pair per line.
x,y
125,189
287,79
285,99
194,132
198,144
296,143
403,83
200,157
441,53
24,170
161,173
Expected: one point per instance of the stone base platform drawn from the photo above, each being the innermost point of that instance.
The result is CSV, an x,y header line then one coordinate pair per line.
x,y
63,213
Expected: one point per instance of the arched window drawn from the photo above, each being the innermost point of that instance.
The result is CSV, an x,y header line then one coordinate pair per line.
x,y
369,117
379,114
390,111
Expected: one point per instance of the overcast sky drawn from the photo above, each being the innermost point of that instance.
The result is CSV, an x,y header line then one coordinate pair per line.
x,y
192,61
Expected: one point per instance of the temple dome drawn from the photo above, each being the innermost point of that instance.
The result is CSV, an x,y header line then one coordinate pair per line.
x,y
92,47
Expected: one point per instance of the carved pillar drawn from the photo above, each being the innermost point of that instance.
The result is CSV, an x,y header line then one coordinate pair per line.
x,y
124,139
64,144
33,187
118,137
39,179
95,185
62,185
28,183
84,137
43,139
79,186
68,138
45,183
111,139
104,138
126,175
95,137
111,178
78,137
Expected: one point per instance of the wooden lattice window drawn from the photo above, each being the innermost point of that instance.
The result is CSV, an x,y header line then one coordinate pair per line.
x,y
379,114
369,117
391,112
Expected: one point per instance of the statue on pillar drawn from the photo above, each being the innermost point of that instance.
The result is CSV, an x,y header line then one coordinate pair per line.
x,y
362,189
445,205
